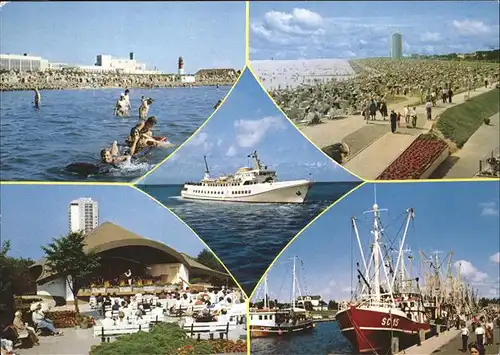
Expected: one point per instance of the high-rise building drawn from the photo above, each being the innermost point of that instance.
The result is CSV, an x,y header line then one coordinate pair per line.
x,y
83,215
397,46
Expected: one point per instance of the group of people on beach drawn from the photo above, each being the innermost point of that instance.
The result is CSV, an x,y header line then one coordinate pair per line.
x,y
384,80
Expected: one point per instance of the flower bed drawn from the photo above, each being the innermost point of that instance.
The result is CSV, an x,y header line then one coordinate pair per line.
x,y
419,160
69,319
166,338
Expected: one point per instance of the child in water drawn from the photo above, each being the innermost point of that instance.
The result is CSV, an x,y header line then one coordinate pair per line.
x,y
112,155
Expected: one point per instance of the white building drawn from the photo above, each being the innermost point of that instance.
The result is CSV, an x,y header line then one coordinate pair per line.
x,y
83,215
187,78
128,66
23,62
316,301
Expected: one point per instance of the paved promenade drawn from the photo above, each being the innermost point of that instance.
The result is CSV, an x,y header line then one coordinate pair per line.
x,y
373,160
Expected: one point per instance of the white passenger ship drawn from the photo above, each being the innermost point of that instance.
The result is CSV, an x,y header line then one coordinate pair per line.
x,y
257,185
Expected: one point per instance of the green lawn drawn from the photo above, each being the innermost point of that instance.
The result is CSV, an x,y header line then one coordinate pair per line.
x,y
328,313
460,122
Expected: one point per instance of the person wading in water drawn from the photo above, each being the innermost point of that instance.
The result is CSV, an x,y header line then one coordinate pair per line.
x,y
38,99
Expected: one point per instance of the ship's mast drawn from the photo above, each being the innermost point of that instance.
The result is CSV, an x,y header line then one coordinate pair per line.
x,y
293,284
258,164
376,246
265,292
401,252
207,171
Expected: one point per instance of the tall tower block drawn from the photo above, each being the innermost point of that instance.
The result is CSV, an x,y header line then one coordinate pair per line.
x,y
180,66
397,46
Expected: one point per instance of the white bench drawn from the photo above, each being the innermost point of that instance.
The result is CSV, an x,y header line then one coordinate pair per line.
x,y
106,332
207,327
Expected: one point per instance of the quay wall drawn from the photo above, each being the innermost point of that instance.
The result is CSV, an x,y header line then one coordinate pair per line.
x,y
61,80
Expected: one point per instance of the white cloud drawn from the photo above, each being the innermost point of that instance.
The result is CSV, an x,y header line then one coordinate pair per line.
x,y
249,133
495,258
231,152
199,139
219,142
489,209
430,37
471,27
469,272
282,27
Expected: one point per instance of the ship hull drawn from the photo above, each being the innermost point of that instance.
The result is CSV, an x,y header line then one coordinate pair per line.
x,y
369,330
260,331
277,192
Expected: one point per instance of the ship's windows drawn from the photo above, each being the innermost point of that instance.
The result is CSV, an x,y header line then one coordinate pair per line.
x,y
260,317
246,183
271,317
265,317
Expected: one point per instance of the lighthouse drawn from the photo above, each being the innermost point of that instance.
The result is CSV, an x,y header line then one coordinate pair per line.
x,y
180,66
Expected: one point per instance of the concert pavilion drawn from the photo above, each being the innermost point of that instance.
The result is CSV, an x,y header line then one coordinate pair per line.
x,y
131,264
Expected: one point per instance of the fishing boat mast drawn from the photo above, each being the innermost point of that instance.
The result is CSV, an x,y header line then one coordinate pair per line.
x,y
265,292
293,284
374,283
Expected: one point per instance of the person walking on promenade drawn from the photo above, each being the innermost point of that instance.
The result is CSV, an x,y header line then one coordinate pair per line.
x,y
480,338
394,121
489,333
465,338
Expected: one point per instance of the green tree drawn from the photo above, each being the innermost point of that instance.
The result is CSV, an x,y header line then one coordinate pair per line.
x,y
15,279
66,257
333,305
207,258
6,286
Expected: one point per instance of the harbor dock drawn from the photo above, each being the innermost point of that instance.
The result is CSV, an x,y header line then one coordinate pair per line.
x,y
450,343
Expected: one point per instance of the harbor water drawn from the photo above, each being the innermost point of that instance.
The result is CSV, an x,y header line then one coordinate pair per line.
x,y
242,231
72,126
324,339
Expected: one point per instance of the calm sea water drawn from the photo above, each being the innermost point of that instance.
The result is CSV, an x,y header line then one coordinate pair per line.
x,y
247,237
72,126
325,339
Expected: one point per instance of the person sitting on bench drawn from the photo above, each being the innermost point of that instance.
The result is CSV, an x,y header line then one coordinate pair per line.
x,y
22,328
44,323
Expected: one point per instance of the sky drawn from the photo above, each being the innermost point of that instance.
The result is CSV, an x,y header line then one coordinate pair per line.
x,y
205,34
458,216
248,120
355,29
31,215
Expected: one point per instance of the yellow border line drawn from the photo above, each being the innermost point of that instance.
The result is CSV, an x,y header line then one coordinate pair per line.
x,y
247,324
247,33
256,77
138,180
301,231
247,66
